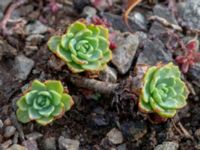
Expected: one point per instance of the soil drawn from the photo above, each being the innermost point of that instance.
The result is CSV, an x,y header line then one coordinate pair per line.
x,y
91,118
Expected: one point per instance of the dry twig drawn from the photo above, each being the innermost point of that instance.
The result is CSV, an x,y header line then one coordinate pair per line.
x,y
166,23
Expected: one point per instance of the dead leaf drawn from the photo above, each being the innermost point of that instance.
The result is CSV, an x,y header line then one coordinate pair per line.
x,y
130,5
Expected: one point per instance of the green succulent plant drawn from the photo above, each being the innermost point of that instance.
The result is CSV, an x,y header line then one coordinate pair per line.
x,y
44,102
163,91
83,47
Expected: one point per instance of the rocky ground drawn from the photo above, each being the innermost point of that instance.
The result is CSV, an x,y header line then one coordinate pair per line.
x,y
96,121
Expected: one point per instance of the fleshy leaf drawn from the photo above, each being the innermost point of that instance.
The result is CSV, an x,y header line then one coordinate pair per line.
x,y
33,114
67,101
53,85
45,120
21,103
53,43
46,111
37,85
22,116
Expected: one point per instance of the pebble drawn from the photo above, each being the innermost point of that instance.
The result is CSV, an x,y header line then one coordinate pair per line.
x,y
36,28
30,145
1,124
34,136
134,130
9,131
154,52
115,136
124,54
68,144
167,146
6,144
50,143
16,147
108,75
23,66
89,11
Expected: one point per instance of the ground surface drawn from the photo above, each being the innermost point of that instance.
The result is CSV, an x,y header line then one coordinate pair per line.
x,y
94,122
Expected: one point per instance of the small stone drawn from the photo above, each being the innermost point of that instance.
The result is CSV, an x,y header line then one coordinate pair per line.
x,y
50,143
36,28
23,66
6,144
197,133
34,136
122,147
191,13
7,122
154,52
124,54
134,130
30,145
1,124
164,12
9,131
68,144
167,146
115,136
16,147
108,75
89,11
35,38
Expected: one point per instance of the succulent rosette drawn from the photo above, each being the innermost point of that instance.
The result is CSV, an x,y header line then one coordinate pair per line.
x,y
163,91
84,47
44,102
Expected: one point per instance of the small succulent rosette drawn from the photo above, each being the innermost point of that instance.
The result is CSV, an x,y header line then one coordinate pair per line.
x,y
44,102
84,47
162,91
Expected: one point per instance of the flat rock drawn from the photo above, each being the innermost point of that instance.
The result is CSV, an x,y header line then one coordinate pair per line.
x,y
50,143
134,130
89,11
1,124
108,75
30,145
34,136
153,53
167,146
124,54
36,28
23,66
68,144
137,22
9,131
115,136
16,147
191,13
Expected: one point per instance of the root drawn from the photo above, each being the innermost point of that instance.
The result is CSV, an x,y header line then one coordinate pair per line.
x,y
97,86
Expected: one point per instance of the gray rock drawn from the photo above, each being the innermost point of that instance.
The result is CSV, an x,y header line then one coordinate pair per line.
x,y
9,131
164,12
68,144
191,13
89,11
30,145
167,146
193,73
115,136
137,22
134,130
35,39
1,124
50,143
122,147
23,66
16,147
108,75
153,53
34,136
36,28
124,54
5,145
